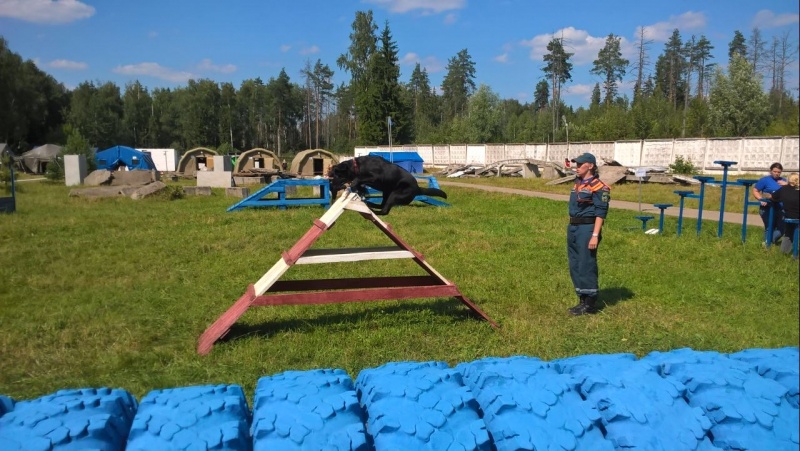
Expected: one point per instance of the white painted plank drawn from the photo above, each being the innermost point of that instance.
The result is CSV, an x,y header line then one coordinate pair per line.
x,y
314,256
272,276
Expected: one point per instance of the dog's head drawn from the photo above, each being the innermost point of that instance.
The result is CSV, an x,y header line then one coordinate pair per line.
x,y
340,175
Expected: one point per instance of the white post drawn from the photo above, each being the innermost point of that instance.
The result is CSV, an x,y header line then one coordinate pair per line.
x,y
391,156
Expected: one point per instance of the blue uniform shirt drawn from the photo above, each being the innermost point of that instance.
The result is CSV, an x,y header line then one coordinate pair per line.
x,y
589,198
768,184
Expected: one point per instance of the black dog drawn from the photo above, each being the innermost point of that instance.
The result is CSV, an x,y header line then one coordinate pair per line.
x,y
398,186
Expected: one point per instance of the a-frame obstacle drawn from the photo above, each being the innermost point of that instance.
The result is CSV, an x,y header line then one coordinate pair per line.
x,y
328,291
278,188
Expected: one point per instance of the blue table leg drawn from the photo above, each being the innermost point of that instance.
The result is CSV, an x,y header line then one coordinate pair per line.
x,y
796,237
703,180
725,165
661,207
683,195
747,183
644,220
770,224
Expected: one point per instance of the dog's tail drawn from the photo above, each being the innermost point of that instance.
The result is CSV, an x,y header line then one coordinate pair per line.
x,y
434,192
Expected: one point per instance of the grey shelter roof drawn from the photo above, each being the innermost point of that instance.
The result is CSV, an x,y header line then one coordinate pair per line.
x,y
41,154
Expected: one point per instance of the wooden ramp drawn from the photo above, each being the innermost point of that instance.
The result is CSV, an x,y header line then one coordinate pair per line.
x,y
327,291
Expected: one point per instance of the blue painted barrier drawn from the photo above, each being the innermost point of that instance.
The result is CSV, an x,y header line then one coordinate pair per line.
x,y
681,399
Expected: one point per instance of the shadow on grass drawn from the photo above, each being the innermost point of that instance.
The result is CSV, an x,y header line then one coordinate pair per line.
x,y
611,296
410,313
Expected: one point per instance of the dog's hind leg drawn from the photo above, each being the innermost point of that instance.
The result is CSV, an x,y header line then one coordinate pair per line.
x,y
393,199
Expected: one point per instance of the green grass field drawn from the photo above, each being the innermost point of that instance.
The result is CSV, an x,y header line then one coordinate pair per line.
x,y
115,292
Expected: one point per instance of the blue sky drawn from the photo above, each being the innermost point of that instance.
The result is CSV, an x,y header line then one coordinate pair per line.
x,y
164,43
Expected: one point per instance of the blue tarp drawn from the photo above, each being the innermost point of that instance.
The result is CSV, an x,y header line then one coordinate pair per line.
x,y
114,157
410,161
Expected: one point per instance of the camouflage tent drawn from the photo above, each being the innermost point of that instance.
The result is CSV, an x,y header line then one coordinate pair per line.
x,y
36,159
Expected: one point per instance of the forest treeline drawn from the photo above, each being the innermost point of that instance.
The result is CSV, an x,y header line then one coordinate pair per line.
x,y
684,93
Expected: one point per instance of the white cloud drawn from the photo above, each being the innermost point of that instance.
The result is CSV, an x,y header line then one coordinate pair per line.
x,y
67,64
522,96
408,59
425,6
272,64
154,70
152,34
502,58
285,48
207,65
768,19
309,50
579,90
46,11
431,64
661,31
450,19
580,43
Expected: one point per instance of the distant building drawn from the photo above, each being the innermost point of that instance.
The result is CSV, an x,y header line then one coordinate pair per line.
x,y
166,160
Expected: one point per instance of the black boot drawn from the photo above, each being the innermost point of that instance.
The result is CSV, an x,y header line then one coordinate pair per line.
x,y
579,309
590,305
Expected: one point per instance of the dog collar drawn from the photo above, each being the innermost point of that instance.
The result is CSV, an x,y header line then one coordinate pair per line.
x,y
355,166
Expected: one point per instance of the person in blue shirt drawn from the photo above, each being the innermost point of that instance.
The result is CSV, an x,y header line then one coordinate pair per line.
x,y
588,207
768,185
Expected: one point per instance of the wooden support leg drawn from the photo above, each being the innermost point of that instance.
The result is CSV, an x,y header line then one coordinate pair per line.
x,y
223,324
477,310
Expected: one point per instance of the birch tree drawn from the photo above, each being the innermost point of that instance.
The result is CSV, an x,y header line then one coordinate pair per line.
x,y
737,103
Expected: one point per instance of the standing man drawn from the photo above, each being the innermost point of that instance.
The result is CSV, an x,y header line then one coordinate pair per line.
x,y
763,189
588,207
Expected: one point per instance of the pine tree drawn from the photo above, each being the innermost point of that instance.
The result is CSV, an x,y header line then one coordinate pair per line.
x,y
135,111
382,98
363,45
423,103
673,59
558,70
540,95
611,66
737,46
458,84
702,50
596,95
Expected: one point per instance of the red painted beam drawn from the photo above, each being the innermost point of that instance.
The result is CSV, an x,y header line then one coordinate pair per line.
x,y
223,324
360,295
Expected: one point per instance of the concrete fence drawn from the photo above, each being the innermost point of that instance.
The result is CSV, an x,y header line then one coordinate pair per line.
x,y
751,154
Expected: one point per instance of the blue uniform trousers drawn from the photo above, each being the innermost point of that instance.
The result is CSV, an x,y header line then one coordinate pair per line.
x,y
582,261
777,220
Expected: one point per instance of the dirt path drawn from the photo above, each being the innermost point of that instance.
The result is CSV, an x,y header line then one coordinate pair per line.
x,y
712,215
